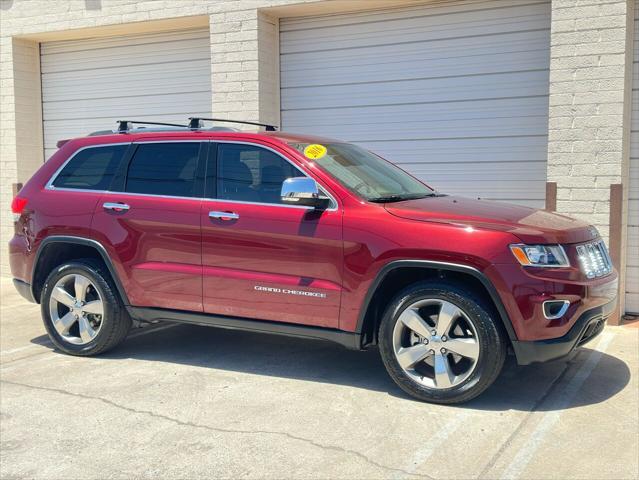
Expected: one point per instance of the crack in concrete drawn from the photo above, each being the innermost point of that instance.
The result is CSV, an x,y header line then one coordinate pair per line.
x,y
220,429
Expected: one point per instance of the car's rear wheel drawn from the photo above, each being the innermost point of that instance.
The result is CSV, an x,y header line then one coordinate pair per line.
x,y
440,344
81,310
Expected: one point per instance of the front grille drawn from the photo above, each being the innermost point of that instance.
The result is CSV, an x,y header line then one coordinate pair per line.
x,y
594,259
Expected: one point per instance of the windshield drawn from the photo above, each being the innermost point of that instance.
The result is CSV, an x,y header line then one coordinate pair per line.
x,y
364,173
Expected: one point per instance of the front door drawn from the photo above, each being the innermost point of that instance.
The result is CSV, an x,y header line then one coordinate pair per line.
x,y
263,259
150,223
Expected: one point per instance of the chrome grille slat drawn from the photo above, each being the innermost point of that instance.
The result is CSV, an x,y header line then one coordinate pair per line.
x,y
594,259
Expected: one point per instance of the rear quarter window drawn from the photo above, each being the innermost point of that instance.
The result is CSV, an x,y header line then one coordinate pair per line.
x,y
92,168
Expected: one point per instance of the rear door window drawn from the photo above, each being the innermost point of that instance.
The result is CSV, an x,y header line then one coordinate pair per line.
x,y
92,168
164,169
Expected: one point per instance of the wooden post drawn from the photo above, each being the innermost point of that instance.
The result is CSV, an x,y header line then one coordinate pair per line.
x,y
614,243
551,196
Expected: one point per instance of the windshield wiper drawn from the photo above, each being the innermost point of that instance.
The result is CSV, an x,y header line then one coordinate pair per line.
x,y
401,198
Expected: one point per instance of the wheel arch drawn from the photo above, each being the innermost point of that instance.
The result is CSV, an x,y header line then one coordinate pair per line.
x,y
58,249
400,273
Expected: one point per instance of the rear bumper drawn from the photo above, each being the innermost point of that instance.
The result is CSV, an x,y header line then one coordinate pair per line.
x,y
590,324
24,289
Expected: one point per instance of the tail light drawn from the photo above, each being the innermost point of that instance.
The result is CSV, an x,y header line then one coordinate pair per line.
x,y
17,207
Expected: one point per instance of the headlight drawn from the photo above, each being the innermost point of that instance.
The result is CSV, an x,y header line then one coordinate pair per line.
x,y
540,255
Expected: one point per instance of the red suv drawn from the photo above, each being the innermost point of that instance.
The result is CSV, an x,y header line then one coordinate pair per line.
x,y
301,236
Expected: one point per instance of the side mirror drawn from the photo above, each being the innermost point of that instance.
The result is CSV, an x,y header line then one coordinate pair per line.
x,y
303,191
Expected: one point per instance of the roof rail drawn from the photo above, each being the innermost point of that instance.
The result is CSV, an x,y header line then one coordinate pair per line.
x,y
125,125
195,123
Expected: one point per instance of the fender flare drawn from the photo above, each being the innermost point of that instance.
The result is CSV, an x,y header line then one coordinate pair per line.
x,y
445,266
86,242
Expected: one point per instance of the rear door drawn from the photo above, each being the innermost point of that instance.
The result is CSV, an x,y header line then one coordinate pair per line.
x,y
262,259
150,223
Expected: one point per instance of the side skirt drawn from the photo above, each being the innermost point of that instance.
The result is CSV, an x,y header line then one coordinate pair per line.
x,y
350,340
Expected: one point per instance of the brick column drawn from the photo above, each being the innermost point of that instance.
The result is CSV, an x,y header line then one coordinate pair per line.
x,y
245,66
590,71
21,120
589,109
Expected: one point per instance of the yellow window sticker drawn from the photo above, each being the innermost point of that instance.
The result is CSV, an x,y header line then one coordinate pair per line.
x,y
315,151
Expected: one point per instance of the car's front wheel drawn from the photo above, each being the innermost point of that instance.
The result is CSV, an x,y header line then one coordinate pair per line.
x,y
81,310
440,344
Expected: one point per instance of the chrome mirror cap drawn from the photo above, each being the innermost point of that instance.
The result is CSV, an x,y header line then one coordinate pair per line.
x,y
302,191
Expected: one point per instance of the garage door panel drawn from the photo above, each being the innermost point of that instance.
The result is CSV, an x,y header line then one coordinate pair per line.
x,y
632,278
438,90
633,243
467,151
126,50
632,298
140,105
191,75
70,63
634,122
434,7
419,112
633,213
456,57
633,187
495,127
89,84
517,42
173,84
398,27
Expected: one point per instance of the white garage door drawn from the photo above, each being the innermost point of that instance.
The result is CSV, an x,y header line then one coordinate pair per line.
x,y
89,84
632,266
456,92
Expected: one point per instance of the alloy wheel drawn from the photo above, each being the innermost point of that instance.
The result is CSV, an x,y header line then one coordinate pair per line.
x,y
76,309
436,343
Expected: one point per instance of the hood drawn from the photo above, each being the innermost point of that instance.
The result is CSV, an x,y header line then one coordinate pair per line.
x,y
530,225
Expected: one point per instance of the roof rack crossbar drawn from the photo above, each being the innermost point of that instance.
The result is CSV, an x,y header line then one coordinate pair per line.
x,y
195,123
125,125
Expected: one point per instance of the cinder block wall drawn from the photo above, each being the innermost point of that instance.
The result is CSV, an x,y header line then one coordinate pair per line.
x,y
589,109
589,70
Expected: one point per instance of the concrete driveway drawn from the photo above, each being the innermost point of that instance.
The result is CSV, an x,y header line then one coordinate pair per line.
x,y
177,401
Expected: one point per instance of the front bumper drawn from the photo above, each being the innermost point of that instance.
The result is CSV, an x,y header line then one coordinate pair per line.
x,y
589,324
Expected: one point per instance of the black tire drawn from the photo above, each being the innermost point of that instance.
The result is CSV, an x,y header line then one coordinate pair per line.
x,y
116,321
492,342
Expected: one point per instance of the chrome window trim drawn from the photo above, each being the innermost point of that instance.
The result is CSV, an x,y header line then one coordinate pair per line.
x,y
241,202
49,185
334,204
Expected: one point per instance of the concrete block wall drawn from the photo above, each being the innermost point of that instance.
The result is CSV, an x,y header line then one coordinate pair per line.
x,y
589,113
20,123
590,69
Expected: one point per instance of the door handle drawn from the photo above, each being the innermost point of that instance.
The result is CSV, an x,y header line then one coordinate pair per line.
x,y
224,215
116,206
